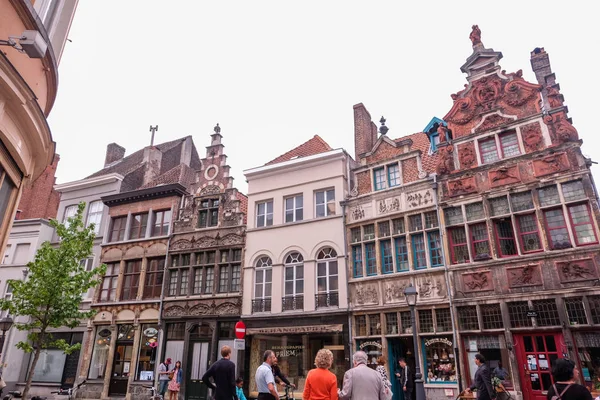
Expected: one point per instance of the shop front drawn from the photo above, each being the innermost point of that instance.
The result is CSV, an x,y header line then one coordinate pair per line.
x,y
296,344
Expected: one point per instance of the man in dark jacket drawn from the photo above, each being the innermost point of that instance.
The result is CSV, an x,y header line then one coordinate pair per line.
x,y
405,379
279,376
483,380
223,373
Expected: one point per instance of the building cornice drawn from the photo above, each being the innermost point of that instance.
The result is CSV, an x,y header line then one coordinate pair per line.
x,y
294,164
86,183
156,192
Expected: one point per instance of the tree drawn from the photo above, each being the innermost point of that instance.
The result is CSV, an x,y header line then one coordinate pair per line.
x,y
51,295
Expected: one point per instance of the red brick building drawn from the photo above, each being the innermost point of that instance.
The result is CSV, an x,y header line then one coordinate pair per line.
x,y
39,199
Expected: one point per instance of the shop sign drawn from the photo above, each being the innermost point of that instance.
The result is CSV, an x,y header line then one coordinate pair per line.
x,y
287,351
366,344
104,333
150,332
295,330
532,314
438,340
239,344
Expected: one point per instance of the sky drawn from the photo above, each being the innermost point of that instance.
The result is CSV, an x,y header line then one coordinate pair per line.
x,y
275,73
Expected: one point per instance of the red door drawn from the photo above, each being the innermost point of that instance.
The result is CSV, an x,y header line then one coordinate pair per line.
x,y
536,353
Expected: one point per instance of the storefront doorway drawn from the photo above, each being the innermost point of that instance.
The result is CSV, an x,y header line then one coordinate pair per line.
x,y
536,354
400,348
122,367
198,357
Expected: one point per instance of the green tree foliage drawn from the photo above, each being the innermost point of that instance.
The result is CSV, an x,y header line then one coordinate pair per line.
x,y
51,295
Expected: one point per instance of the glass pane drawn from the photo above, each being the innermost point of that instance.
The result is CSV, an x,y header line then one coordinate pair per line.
x,y
333,268
474,211
546,381
573,191
521,201
528,340
539,342
333,283
550,343
549,196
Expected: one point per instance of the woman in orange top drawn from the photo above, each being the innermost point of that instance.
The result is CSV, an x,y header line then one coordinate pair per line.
x,y
321,384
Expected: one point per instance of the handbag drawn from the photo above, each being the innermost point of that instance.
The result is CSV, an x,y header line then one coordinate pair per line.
x,y
171,374
388,393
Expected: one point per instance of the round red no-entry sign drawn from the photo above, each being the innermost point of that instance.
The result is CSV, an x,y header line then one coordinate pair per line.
x,y
240,330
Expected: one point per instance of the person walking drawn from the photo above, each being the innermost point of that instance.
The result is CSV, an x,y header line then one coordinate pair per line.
x,y
321,384
163,377
265,382
482,381
405,379
223,374
381,360
175,382
565,387
361,382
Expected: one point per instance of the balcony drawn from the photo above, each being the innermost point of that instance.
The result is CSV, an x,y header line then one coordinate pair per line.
x,y
261,305
327,300
291,303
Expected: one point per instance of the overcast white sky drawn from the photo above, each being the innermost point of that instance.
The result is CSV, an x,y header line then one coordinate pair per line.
x,y
274,73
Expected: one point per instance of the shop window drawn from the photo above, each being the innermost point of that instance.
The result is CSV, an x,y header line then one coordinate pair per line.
x,y
491,316
549,196
264,213
521,201
327,278
131,280
588,349
379,178
505,238
401,254
453,215
440,362
418,247
391,323
294,209
435,248
547,312
361,325
581,223
573,191
374,324
357,262
517,313
528,231
425,321
387,260
139,223
109,283
493,348
370,259
154,278
147,355
488,151
474,211
405,322
175,341
443,320
293,282
499,206
100,352
117,229
594,302
398,226
459,249
227,330
467,318
325,203
262,285
384,229
575,311
162,221
509,144
393,175
480,241
556,227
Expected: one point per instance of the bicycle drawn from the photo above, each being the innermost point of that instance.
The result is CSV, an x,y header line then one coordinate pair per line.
x,y
70,392
153,395
14,394
289,393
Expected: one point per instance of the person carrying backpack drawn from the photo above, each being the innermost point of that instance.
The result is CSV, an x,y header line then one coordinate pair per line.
x,y
565,375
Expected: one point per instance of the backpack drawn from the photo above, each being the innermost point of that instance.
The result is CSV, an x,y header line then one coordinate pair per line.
x,y
559,396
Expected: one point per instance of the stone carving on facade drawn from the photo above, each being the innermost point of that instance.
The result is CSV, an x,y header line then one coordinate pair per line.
x,y
446,160
486,90
466,155
181,244
532,137
227,309
577,270
209,190
493,121
461,186
504,176
231,239
462,112
366,294
551,164
528,275
203,309
561,127
478,281
389,205
475,36
394,291
442,133
555,99
419,199
174,311
357,213
429,288
354,191
518,92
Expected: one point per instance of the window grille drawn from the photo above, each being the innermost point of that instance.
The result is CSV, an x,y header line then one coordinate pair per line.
x,y
549,196
594,302
517,312
491,314
547,312
576,311
391,323
521,201
405,322
374,324
425,321
361,325
475,211
467,318
443,320
453,215
499,206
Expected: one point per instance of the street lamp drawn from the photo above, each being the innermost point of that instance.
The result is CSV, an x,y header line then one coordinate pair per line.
x,y
411,299
5,324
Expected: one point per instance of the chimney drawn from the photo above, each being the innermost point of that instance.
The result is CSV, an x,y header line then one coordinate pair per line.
x,y
540,63
153,160
365,131
186,151
114,152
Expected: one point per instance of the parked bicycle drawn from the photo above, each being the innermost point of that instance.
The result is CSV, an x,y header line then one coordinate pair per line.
x,y
153,393
289,393
14,394
70,392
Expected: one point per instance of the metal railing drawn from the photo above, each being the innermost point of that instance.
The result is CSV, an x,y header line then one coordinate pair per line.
x,y
290,303
261,305
327,299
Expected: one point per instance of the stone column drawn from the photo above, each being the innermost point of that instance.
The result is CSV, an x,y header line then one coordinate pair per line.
x,y
142,282
109,360
134,360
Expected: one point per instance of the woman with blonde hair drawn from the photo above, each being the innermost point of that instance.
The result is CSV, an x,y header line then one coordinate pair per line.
x,y
381,370
321,384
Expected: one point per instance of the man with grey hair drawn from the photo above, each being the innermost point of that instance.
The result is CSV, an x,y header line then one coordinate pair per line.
x,y
265,382
362,382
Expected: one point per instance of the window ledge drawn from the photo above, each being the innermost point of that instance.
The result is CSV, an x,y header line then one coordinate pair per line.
x,y
306,221
136,240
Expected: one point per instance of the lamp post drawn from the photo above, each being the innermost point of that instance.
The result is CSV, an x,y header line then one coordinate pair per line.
x,y
411,298
5,324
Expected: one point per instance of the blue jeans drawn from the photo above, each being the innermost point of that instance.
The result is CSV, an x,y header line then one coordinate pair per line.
x,y
162,387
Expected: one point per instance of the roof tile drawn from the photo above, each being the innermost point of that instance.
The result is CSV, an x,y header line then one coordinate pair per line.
x,y
311,147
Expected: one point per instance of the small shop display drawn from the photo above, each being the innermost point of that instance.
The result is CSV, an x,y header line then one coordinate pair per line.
x,y
440,362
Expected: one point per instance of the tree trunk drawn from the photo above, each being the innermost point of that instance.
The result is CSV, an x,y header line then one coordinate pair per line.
x,y
36,357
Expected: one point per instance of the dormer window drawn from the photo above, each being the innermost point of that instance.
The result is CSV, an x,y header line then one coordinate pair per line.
x,y
386,177
209,213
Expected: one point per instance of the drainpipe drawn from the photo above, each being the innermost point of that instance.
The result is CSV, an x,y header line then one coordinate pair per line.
x,y
343,204
448,288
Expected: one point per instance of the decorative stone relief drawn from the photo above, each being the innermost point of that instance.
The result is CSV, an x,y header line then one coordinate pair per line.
x,y
561,127
422,198
493,121
504,176
466,155
518,92
357,213
532,137
551,164
446,160
210,189
231,238
461,186
366,294
394,291
203,308
555,99
478,281
528,275
389,205
431,287
577,270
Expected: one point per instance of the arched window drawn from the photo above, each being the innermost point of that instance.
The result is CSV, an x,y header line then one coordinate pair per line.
x,y
262,285
327,278
294,282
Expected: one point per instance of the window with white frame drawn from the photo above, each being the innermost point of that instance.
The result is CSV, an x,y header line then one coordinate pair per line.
x,y
263,280
8,295
94,215
387,176
293,282
379,178
488,150
294,208
70,212
327,278
264,213
509,144
325,203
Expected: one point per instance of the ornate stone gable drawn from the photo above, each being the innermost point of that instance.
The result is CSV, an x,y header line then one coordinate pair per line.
x,y
203,308
213,238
